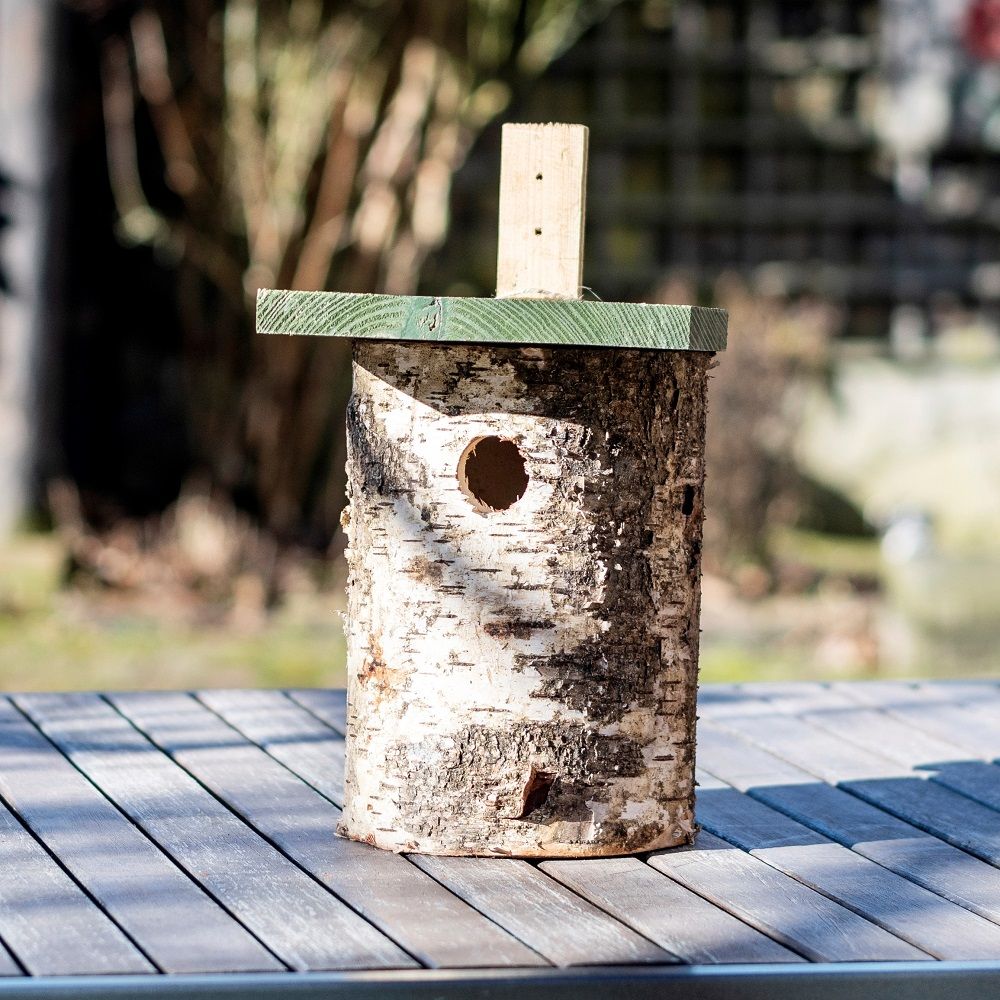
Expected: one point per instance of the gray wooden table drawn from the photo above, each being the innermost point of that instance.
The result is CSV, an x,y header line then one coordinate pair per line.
x,y
184,844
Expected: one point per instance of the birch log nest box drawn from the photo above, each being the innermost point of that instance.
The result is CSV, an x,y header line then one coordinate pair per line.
x,y
525,477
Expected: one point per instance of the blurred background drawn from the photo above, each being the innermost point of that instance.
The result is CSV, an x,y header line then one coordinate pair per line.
x,y
171,485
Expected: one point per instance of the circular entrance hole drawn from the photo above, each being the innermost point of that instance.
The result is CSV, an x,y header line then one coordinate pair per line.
x,y
491,474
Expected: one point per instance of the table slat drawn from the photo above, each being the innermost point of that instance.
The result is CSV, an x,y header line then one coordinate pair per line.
x,y
330,706
677,919
8,967
48,922
911,912
780,906
940,716
866,829
816,750
175,923
954,818
886,783
563,927
298,919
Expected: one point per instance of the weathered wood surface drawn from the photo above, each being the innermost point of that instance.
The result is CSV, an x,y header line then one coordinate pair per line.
x,y
778,905
672,916
911,912
178,926
573,929
237,795
557,719
874,756
75,938
8,967
850,821
562,926
525,322
301,922
543,194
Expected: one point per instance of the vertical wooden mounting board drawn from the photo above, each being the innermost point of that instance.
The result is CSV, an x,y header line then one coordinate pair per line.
x,y
543,185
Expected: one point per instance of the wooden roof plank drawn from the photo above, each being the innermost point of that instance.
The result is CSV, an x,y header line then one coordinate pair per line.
x,y
298,919
405,903
511,321
180,927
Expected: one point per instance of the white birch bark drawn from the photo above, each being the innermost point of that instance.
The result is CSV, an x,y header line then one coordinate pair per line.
x,y
522,682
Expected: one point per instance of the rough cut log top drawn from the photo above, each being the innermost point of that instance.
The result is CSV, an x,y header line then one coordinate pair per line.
x,y
556,322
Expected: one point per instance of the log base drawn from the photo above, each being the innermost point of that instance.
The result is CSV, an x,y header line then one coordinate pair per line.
x,y
525,536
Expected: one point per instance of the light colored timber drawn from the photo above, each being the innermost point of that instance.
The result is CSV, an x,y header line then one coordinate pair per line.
x,y
526,322
543,191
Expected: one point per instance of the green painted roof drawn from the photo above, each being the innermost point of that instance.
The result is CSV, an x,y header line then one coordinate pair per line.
x,y
558,322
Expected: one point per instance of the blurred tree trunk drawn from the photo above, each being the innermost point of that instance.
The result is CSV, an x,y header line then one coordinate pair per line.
x,y
304,144
26,167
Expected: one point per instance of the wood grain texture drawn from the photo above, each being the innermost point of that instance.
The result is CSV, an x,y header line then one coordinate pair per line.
x,y
8,967
909,911
543,194
289,733
897,775
48,922
780,906
176,924
327,704
948,815
667,913
525,322
286,729
423,917
970,726
298,919
539,911
866,829
885,735
820,753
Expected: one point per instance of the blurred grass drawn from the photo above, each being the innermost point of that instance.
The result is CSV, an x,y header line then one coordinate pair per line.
x,y
817,625
56,640
830,555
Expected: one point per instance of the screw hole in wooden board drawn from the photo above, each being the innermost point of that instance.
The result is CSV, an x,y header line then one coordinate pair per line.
x,y
492,474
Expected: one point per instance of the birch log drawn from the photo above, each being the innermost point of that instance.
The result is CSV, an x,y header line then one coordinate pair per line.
x,y
525,539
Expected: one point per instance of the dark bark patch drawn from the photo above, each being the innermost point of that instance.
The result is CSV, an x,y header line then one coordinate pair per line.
x,y
515,628
599,678
478,772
